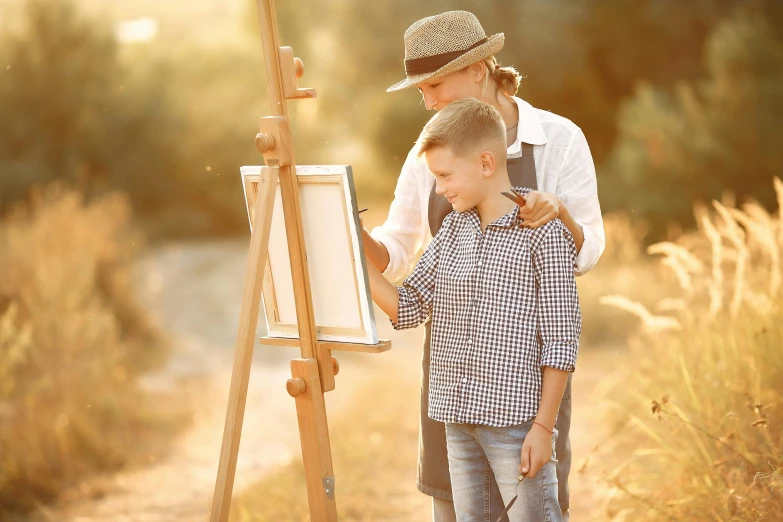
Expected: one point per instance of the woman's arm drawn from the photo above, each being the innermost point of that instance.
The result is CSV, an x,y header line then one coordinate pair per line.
x,y
575,228
395,244
575,203
542,207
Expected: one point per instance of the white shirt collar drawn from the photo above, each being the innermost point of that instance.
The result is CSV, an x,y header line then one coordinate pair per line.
x,y
529,129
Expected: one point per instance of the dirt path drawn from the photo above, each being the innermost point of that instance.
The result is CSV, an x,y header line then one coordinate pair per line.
x,y
594,369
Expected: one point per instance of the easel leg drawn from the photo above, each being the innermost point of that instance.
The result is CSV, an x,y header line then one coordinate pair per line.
x,y
314,435
246,339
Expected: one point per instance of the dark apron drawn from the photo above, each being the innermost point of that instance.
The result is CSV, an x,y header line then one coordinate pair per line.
x,y
433,468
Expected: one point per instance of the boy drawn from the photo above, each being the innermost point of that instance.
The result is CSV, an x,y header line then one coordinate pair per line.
x,y
505,319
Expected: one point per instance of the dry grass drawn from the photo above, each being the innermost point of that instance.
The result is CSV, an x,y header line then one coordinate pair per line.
x,y
621,269
73,341
700,436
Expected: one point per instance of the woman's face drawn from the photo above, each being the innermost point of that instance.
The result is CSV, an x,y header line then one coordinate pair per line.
x,y
452,87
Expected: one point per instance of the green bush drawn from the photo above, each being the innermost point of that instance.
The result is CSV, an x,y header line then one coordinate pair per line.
x,y
73,109
707,137
73,341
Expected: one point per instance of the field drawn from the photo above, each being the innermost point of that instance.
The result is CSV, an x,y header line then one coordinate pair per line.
x,y
123,241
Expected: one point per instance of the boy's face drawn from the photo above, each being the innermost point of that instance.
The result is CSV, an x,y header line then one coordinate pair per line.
x,y
459,178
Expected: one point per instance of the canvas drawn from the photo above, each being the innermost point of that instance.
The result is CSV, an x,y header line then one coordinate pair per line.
x,y
335,256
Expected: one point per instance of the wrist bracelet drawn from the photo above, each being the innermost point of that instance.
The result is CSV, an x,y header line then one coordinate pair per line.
x,y
548,431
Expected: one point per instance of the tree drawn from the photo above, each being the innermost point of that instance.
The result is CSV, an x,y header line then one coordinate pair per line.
x,y
708,136
72,110
65,114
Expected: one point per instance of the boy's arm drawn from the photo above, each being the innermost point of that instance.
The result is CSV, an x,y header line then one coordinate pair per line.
x,y
559,320
537,446
559,316
383,292
553,384
409,305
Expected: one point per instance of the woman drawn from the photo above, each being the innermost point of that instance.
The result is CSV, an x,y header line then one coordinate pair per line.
x,y
449,57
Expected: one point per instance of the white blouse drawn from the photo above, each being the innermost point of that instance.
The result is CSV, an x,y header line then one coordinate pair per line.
x,y
564,167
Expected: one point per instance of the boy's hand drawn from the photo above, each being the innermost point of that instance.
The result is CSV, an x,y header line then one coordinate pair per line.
x,y
536,451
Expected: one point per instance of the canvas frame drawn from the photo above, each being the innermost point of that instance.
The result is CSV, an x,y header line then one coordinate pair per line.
x,y
317,182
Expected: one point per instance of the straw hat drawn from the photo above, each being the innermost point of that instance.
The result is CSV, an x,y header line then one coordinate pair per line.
x,y
438,45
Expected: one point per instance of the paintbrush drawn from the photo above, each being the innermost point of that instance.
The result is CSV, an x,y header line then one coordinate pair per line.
x,y
516,197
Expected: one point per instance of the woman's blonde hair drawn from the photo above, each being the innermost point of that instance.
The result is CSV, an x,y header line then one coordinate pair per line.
x,y
506,78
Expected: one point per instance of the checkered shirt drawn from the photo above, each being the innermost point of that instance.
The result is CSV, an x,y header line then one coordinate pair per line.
x,y
504,305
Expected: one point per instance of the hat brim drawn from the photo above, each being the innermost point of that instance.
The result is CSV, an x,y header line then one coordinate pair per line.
x,y
493,44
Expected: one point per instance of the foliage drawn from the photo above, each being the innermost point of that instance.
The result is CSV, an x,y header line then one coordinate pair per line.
x,y
584,61
170,122
73,343
711,375
71,110
715,135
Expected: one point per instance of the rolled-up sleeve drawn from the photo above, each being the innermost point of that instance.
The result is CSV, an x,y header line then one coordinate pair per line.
x,y
559,316
578,189
418,290
402,233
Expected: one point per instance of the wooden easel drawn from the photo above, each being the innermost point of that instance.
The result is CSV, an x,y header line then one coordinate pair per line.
x,y
313,373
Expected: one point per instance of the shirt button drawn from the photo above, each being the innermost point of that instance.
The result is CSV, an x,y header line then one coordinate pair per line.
x,y
480,263
470,341
464,380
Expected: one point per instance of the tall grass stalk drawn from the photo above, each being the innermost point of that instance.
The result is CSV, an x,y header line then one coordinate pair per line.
x,y
710,446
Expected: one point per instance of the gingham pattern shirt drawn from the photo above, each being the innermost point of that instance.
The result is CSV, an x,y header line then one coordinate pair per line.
x,y
504,305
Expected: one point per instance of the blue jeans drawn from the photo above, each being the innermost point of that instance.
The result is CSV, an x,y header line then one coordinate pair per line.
x,y
471,446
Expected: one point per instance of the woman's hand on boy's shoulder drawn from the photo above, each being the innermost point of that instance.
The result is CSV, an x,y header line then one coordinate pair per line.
x,y
536,451
540,208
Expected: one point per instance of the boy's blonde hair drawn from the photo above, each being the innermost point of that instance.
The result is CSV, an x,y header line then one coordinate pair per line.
x,y
463,127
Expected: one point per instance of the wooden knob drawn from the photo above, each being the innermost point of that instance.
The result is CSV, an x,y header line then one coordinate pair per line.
x,y
296,386
335,365
299,66
265,142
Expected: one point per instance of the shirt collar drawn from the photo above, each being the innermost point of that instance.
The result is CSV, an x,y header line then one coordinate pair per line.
x,y
505,221
529,129
473,218
510,219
